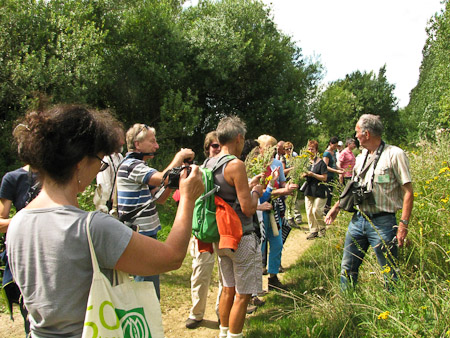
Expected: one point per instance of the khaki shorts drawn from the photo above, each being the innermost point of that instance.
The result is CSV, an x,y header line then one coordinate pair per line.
x,y
242,269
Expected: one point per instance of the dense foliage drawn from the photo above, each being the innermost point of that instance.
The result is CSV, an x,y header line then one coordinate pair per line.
x,y
341,104
429,106
178,69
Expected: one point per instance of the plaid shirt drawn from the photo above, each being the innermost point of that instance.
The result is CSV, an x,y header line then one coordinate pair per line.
x,y
391,173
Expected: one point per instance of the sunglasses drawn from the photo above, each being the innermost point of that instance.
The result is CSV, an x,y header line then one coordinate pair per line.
x,y
215,145
103,166
287,148
145,127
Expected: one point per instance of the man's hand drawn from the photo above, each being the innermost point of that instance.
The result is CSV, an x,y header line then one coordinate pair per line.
x,y
332,214
266,206
191,187
185,154
402,232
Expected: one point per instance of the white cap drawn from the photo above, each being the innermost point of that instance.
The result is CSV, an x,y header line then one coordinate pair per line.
x,y
340,143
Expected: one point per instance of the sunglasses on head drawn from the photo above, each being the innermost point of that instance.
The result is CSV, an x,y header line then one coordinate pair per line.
x,y
215,145
145,127
103,166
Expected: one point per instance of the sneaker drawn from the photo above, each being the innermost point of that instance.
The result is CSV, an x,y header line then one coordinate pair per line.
x,y
293,224
257,301
312,235
251,308
322,233
281,269
275,284
264,271
299,220
192,323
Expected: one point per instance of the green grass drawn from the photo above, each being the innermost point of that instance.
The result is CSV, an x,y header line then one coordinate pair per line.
x,y
419,306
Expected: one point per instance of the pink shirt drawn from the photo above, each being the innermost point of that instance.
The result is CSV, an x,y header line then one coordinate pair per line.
x,y
347,161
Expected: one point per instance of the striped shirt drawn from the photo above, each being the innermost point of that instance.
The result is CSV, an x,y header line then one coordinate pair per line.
x,y
391,173
133,191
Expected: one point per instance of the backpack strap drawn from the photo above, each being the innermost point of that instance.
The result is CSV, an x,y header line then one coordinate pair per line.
x,y
220,162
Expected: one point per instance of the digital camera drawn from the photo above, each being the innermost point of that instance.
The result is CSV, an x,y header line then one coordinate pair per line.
x,y
361,194
173,175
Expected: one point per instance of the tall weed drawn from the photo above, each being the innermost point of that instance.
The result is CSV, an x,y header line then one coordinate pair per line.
x,y
419,304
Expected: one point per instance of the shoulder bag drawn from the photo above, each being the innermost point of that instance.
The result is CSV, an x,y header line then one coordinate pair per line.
x,y
125,309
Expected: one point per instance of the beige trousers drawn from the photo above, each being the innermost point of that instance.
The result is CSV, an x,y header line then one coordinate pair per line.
x,y
202,268
314,211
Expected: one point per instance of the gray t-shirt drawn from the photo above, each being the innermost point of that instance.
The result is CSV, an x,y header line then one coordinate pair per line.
x,y
50,260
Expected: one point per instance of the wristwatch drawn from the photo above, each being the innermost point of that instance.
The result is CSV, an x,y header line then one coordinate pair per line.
x,y
404,221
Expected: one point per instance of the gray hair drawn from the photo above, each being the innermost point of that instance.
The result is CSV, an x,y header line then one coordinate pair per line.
x,y
371,123
349,141
229,128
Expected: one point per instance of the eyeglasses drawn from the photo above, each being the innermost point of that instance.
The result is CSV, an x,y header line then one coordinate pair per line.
x,y
103,166
288,149
215,145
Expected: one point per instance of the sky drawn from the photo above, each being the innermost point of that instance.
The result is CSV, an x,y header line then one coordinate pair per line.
x,y
351,35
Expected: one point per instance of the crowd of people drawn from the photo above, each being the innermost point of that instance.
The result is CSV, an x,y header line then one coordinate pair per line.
x,y
66,147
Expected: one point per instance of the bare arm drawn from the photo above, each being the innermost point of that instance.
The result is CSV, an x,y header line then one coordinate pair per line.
x,y
5,208
327,161
408,201
179,158
236,176
157,257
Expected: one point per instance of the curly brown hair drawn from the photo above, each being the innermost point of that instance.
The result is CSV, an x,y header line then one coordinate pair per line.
x,y
55,140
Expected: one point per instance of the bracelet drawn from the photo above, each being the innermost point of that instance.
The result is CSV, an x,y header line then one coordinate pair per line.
x,y
256,193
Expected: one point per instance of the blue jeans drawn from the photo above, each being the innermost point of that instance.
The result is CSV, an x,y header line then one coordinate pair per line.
x,y
360,235
154,278
276,246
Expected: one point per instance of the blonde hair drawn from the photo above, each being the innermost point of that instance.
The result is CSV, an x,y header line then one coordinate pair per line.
x,y
266,141
138,132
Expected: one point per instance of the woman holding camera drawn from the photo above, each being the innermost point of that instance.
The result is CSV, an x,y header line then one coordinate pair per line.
x,y
47,240
315,192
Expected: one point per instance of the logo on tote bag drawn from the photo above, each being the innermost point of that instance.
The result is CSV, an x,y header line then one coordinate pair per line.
x,y
132,322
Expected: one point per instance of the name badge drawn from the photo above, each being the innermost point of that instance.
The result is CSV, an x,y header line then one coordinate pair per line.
x,y
383,178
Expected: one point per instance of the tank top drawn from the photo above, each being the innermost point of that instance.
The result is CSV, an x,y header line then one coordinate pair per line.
x,y
228,193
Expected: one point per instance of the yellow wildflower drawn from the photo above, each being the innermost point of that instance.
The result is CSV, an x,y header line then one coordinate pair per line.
x,y
424,307
444,200
443,170
384,315
435,178
387,269
416,194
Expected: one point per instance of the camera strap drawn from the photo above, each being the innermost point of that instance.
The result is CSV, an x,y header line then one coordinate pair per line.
x,y
139,210
366,164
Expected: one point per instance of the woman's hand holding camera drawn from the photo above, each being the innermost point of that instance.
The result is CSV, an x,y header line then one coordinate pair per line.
x,y
191,187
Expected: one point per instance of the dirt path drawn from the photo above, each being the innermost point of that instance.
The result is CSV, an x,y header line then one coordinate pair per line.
x,y
174,318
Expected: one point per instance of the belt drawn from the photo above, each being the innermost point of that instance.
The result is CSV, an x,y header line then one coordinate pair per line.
x,y
378,214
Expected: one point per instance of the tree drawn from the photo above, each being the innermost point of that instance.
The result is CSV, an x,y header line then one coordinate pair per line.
x,y
241,64
428,107
344,101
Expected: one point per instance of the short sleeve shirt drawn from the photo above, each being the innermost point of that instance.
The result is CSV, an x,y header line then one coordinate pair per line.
x,y
51,263
331,163
316,188
391,173
347,161
133,191
15,186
